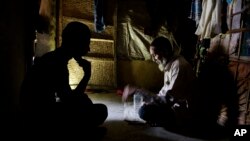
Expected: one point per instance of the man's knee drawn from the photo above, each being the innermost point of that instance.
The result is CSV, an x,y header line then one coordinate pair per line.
x,y
102,110
145,112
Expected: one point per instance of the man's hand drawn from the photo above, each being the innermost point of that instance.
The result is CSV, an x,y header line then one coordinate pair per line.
x,y
86,65
128,90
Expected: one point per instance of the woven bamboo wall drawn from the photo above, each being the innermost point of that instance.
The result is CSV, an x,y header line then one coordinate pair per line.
x,y
81,9
101,56
242,73
106,34
101,53
102,73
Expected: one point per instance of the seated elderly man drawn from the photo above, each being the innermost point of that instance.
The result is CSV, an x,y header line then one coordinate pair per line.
x,y
171,106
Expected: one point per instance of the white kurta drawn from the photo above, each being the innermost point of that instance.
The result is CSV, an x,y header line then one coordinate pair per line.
x,y
179,79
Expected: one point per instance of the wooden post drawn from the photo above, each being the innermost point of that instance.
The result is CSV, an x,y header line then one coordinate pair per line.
x,y
58,22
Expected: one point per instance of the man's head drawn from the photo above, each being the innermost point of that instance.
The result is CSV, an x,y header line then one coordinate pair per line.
x,y
76,38
161,51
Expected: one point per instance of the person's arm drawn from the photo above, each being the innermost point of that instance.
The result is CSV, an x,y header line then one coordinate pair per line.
x,y
130,90
77,96
86,65
166,94
175,89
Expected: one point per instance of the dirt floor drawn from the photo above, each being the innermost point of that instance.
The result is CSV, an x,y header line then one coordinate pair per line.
x,y
120,130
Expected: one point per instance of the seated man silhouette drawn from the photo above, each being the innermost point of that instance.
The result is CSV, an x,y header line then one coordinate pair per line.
x,y
48,80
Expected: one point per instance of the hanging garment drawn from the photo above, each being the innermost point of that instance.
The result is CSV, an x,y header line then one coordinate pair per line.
x,y
98,16
196,9
45,8
210,22
224,12
45,17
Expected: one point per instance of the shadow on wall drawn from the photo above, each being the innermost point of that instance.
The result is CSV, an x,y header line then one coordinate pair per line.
x,y
217,89
140,73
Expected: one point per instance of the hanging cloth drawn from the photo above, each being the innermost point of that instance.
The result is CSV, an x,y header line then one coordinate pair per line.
x,y
210,22
196,9
99,15
45,16
45,8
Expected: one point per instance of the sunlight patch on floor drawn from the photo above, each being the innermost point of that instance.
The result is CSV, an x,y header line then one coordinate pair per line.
x,y
113,102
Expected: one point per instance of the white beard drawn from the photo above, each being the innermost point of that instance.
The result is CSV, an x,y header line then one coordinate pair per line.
x,y
162,64
161,67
